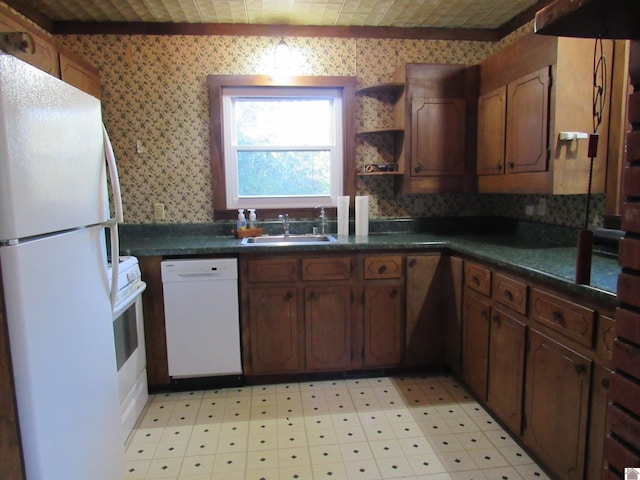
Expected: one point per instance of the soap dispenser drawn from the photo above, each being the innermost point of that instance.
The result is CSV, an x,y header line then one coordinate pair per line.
x,y
252,218
242,221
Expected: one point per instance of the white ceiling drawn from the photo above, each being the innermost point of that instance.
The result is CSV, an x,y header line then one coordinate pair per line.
x,y
476,14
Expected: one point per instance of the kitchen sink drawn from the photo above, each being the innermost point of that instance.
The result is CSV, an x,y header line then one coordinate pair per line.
x,y
283,241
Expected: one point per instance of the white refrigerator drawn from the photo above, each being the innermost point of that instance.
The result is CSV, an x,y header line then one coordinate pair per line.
x,y
54,214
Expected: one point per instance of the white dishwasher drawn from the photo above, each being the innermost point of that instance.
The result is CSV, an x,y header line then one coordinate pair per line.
x,y
201,316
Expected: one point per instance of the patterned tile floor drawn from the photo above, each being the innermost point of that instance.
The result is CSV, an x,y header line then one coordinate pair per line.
x,y
413,427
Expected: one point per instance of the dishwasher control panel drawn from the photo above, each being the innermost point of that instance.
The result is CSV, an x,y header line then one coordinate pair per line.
x,y
176,269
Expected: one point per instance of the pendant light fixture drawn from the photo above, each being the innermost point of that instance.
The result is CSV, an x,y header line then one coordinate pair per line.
x,y
282,55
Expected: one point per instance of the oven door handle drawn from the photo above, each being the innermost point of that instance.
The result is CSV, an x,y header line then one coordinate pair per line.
x,y
127,301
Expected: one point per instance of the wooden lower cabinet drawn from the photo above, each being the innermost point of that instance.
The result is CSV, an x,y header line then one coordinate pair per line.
x,y
556,406
297,314
383,325
476,314
327,320
507,346
273,323
425,295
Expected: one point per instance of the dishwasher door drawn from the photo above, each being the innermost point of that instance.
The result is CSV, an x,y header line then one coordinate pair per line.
x,y
201,316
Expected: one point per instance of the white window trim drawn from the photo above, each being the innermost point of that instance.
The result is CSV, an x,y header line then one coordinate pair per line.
x,y
233,200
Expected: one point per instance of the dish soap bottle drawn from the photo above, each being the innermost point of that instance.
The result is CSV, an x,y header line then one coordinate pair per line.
x,y
241,224
252,218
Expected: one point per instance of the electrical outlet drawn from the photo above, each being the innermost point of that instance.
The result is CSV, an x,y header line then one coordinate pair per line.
x,y
541,211
158,212
528,210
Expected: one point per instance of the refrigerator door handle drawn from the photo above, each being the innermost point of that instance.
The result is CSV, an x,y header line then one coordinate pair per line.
x,y
113,176
112,224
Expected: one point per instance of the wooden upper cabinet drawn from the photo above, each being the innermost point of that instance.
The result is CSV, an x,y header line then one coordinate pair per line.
x,y
45,55
52,58
530,91
527,123
439,117
437,136
492,115
79,74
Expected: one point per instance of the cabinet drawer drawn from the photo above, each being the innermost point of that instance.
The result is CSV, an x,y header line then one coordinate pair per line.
x,y
567,318
338,268
273,270
510,292
477,278
382,267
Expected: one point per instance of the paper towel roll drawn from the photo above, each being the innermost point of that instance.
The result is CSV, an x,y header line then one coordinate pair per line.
x,y
343,216
362,216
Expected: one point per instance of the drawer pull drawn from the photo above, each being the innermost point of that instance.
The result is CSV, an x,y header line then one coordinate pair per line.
x,y
475,280
558,318
382,269
508,295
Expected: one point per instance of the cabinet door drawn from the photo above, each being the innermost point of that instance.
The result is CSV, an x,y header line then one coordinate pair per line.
x,y
476,312
383,325
328,327
527,123
492,112
80,76
423,339
437,136
45,54
273,319
556,406
506,368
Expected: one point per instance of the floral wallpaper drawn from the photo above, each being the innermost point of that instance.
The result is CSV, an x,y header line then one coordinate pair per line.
x,y
155,104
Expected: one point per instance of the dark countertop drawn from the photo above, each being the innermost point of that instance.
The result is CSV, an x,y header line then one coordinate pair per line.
x,y
552,262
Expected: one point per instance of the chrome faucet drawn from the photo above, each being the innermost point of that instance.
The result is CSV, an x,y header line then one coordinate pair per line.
x,y
323,218
285,223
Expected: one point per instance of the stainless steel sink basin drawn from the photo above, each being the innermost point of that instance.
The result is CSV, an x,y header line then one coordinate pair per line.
x,y
282,241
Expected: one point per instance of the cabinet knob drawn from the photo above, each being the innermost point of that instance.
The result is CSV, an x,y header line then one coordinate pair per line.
x,y
312,294
496,319
508,295
382,269
418,169
484,314
499,167
511,165
288,296
412,262
580,369
558,318
475,280
393,293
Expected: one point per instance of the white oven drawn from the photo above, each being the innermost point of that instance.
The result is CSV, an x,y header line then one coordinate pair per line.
x,y
128,331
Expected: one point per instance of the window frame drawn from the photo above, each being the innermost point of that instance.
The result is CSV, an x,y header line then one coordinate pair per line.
x,y
217,83
231,95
